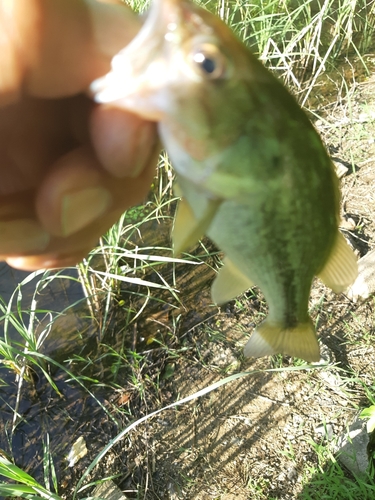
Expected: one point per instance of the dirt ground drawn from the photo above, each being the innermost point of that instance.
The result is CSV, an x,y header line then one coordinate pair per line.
x,y
257,437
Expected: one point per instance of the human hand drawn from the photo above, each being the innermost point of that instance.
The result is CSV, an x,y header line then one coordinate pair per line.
x,y
68,167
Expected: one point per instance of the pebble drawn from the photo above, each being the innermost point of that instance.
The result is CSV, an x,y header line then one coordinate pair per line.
x,y
352,448
325,430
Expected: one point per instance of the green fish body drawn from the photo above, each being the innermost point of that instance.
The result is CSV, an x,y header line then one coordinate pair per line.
x,y
253,172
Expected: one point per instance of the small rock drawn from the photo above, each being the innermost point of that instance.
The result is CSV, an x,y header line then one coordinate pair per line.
x,y
297,420
325,430
348,224
340,169
326,355
331,378
292,474
352,448
223,358
77,451
174,493
109,491
364,285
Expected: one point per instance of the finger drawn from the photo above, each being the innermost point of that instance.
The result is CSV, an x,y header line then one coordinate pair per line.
x,y
26,235
77,191
76,43
57,47
20,231
69,250
122,141
48,261
61,251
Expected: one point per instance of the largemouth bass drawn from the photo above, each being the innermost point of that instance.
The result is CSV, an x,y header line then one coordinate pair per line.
x,y
252,170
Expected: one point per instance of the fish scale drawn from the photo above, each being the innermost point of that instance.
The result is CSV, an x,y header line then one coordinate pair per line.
x,y
253,172
262,263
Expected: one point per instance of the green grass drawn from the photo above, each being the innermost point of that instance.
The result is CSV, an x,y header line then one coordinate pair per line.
x,y
298,40
330,482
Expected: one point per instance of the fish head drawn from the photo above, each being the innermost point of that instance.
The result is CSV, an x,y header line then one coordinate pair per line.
x,y
186,70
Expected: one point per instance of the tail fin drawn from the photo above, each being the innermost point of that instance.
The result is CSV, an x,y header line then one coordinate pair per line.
x,y
273,338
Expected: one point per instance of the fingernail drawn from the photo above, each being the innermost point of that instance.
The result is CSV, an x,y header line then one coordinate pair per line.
x,y
22,236
82,207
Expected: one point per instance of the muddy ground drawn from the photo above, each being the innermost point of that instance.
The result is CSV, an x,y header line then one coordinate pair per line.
x,y
257,437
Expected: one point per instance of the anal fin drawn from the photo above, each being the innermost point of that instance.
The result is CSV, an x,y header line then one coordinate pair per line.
x,y
187,228
272,338
229,283
341,269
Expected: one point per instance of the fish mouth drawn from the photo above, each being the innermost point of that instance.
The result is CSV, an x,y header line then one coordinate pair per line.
x,y
142,69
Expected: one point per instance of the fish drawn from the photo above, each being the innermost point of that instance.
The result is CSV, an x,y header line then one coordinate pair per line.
x,y
252,170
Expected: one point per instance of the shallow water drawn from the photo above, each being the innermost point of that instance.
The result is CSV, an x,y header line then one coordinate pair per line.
x,y
62,418
39,409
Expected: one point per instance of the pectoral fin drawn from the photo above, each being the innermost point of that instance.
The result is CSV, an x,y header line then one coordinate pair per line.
x,y
229,283
272,338
187,228
341,269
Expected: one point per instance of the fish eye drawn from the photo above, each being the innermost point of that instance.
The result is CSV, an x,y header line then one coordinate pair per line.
x,y
209,61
